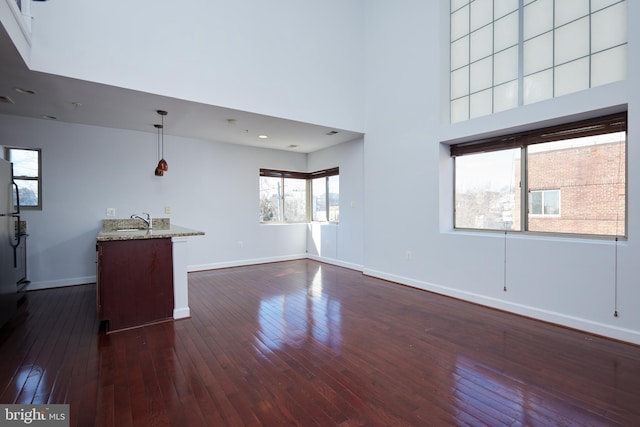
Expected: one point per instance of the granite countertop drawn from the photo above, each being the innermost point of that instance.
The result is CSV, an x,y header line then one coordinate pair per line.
x,y
127,230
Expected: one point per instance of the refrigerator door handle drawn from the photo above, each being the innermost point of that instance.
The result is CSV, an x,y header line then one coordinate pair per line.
x,y
17,206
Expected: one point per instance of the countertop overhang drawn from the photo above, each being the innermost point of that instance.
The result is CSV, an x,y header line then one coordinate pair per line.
x,y
172,231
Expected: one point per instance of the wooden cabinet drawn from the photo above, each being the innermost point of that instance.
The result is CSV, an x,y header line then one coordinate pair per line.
x,y
135,282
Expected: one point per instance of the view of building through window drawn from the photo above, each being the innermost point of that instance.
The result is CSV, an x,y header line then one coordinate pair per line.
x,y
575,185
544,202
582,183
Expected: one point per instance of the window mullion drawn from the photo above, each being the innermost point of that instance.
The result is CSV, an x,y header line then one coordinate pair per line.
x,y
282,218
520,101
309,201
326,197
524,189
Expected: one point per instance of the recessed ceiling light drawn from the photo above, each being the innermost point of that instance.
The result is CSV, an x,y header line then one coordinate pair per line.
x,y
44,116
24,91
292,146
333,132
263,136
232,121
6,99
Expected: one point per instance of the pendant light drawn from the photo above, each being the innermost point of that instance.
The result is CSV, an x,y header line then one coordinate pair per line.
x,y
162,163
158,171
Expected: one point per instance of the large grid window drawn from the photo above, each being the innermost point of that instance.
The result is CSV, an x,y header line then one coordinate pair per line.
x,y
292,197
506,53
565,179
27,175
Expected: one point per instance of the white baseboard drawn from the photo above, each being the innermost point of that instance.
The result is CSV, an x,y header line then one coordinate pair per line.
x,y
339,263
244,262
47,284
181,313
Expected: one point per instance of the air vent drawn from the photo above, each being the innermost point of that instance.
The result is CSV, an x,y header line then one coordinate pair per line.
x,y
6,99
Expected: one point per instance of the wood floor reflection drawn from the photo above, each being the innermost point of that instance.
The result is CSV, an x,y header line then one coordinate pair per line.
x,y
304,343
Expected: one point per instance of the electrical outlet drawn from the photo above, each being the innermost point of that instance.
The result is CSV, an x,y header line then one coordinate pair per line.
x,y
240,244
111,211
167,210
408,254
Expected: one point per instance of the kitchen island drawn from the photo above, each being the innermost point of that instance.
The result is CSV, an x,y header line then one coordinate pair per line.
x,y
142,274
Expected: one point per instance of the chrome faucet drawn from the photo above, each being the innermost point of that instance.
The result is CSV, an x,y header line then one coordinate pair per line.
x,y
146,220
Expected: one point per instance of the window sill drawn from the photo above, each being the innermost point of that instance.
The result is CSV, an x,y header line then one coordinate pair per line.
x,y
537,235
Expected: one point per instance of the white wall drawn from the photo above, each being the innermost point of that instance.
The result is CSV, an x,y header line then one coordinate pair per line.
x,y
17,26
296,59
212,187
408,180
340,243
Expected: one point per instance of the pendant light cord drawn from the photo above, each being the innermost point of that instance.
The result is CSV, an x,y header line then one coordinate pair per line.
x,y
158,127
158,142
162,136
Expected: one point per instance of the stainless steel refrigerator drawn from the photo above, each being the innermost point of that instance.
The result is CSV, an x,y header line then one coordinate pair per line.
x,y
9,240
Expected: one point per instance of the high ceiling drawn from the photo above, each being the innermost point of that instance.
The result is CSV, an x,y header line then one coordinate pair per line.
x,y
82,102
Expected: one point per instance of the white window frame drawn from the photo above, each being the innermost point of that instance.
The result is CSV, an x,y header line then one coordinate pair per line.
x,y
542,204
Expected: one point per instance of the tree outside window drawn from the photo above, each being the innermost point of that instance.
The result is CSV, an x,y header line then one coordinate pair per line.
x,y
294,197
27,175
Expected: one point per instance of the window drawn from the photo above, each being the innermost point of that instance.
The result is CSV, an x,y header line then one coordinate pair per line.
x,y
325,192
544,202
486,190
563,179
508,53
285,196
282,198
27,175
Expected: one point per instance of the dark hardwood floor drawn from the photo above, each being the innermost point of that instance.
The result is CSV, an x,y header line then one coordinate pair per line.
x,y
304,343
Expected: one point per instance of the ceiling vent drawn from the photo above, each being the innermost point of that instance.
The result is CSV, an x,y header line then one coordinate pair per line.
x,y
6,99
